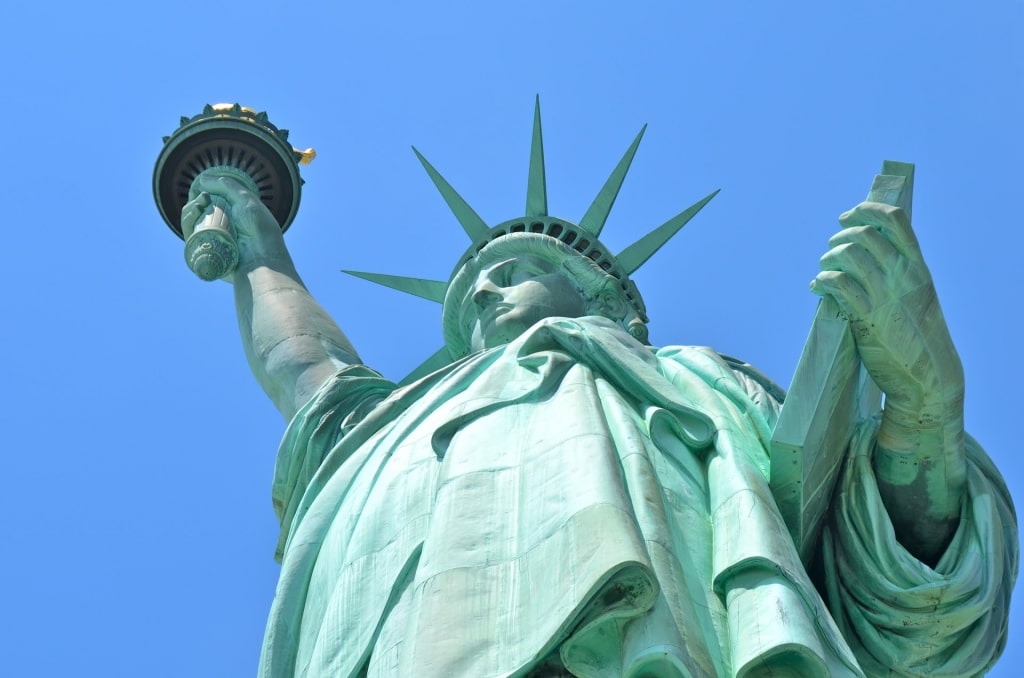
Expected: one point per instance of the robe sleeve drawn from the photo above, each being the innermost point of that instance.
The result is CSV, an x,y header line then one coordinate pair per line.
x,y
900,616
765,394
341,403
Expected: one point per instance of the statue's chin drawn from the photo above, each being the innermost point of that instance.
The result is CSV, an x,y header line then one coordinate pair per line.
x,y
500,331
497,339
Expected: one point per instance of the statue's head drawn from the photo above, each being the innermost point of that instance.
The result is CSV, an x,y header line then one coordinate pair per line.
x,y
523,277
522,271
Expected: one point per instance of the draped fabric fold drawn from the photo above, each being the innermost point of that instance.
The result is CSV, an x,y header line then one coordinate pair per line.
x,y
573,494
902,617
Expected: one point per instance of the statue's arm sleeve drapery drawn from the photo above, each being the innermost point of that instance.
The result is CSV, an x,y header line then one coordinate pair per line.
x,y
900,616
342,402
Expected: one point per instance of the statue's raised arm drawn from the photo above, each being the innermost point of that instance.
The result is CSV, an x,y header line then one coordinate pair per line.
x,y
292,345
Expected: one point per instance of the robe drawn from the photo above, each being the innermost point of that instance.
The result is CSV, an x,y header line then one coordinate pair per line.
x,y
579,494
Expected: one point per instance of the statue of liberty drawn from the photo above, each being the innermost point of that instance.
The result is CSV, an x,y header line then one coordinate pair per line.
x,y
550,495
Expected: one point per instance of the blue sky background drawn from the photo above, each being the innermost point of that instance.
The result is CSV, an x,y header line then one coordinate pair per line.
x,y
138,530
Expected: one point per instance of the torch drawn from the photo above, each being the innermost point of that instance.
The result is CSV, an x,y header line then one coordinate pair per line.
x,y
226,139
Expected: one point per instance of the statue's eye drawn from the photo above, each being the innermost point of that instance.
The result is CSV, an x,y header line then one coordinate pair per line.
x,y
513,272
522,273
519,275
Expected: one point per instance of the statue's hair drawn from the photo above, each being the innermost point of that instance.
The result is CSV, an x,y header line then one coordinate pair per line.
x,y
597,286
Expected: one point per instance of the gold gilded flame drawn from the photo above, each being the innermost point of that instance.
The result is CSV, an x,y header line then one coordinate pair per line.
x,y
227,108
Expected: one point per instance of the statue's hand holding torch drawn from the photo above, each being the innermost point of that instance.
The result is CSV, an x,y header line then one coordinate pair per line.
x,y
223,221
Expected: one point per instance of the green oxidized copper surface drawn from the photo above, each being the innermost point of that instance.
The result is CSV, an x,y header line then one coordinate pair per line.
x,y
548,495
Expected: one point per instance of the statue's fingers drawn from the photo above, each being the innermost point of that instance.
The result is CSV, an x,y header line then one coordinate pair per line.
x,y
892,222
871,241
867,214
217,184
859,265
192,212
852,298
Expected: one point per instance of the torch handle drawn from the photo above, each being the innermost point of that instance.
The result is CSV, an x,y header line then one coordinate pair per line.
x,y
211,251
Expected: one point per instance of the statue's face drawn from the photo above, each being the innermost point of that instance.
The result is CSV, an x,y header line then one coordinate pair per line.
x,y
511,295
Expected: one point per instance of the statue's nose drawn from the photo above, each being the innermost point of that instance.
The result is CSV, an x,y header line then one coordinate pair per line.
x,y
486,295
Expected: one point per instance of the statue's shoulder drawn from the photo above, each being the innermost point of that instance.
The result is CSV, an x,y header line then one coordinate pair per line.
x,y
754,381
759,377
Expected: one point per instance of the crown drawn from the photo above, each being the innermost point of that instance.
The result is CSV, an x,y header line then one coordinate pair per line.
x,y
580,239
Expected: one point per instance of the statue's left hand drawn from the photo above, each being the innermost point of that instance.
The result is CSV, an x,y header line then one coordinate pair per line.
x,y
875,272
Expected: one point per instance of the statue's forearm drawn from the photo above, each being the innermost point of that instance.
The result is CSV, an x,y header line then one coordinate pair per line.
x,y
921,469
292,345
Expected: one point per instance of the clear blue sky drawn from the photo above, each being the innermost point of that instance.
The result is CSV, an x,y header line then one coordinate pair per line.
x,y
136,515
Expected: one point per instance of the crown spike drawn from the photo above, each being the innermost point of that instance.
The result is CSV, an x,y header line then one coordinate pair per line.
x,y
634,256
536,186
471,223
433,290
597,214
435,362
